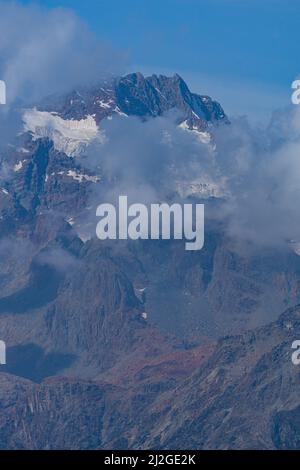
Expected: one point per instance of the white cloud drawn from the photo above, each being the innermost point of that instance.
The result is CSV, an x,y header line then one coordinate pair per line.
x,y
44,51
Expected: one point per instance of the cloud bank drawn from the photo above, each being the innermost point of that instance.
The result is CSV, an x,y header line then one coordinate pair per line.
x,y
45,51
254,172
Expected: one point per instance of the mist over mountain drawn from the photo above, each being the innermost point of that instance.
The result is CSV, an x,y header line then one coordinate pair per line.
x,y
121,344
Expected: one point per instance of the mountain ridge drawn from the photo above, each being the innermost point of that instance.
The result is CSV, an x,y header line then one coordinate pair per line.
x,y
121,345
136,95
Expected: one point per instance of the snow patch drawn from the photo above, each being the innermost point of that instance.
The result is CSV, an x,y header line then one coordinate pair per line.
x,y
70,221
203,136
105,104
206,188
82,177
23,150
18,166
68,135
118,111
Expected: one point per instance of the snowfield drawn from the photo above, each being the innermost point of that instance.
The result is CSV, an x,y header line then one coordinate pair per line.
x,y
68,135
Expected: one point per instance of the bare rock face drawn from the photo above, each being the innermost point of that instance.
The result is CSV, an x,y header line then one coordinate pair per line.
x,y
241,395
67,305
136,95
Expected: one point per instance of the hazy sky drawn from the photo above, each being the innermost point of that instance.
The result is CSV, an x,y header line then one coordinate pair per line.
x,y
243,53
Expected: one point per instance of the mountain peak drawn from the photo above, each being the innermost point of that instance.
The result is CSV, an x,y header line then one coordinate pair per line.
x,y
137,95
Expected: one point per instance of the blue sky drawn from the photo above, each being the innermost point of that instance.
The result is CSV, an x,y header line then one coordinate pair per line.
x,y
243,53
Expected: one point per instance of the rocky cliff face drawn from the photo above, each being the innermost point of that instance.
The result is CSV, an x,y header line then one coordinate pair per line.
x,y
136,95
117,345
239,394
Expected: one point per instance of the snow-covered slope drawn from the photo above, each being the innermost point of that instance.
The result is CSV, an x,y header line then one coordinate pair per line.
x,y
68,135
